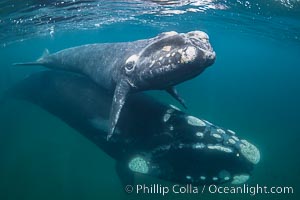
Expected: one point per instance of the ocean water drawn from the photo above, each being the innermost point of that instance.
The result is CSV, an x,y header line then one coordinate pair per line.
x,y
253,88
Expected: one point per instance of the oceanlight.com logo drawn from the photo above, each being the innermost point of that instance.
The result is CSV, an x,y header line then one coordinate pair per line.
x,y
211,189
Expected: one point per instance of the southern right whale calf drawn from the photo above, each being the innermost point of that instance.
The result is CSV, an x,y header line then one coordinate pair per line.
x,y
157,63
151,138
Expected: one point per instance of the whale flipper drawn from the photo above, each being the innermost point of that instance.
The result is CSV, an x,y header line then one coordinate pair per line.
x,y
28,63
38,61
173,92
120,95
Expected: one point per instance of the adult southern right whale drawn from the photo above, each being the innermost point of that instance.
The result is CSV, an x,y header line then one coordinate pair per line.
x,y
157,63
151,138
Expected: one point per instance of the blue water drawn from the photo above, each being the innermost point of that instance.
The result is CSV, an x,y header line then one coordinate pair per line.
x,y
253,88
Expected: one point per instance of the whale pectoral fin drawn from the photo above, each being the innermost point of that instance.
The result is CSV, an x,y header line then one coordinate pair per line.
x,y
119,99
173,92
125,175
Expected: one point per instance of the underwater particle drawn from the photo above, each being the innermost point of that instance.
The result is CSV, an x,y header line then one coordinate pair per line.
x,y
240,179
51,31
215,178
202,178
166,117
250,152
188,177
171,128
194,121
138,164
220,148
200,134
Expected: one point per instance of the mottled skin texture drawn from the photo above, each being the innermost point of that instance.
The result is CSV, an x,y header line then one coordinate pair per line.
x,y
167,143
157,63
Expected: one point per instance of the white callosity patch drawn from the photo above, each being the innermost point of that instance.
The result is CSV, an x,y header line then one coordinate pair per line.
x,y
240,179
232,132
207,122
249,151
199,34
235,138
132,59
198,146
170,33
220,148
166,117
174,107
217,136
188,55
170,110
221,131
167,48
200,134
224,175
194,121
231,141
138,164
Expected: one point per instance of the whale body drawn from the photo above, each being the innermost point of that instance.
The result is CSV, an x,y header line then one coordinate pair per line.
x,y
151,138
157,63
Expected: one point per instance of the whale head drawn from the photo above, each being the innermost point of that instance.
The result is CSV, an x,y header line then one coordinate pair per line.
x,y
169,59
197,152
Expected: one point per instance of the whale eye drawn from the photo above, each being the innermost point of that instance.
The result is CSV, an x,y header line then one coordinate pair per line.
x,y
129,66
130,63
